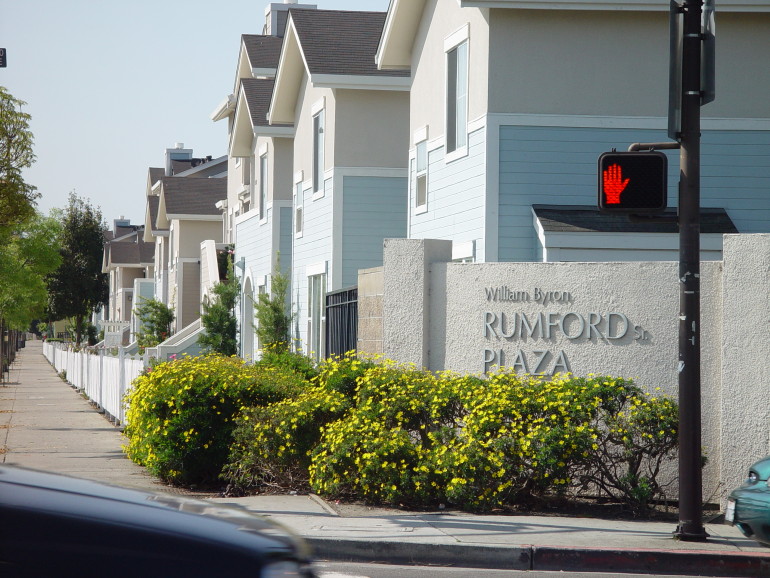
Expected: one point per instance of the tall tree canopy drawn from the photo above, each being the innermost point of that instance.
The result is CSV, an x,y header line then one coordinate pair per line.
x,y
17,198
78,287
29,251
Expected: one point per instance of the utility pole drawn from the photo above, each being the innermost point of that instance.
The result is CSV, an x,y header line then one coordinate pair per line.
x,y
690,474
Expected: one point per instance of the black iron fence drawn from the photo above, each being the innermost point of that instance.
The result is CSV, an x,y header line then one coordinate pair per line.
x,y
341,321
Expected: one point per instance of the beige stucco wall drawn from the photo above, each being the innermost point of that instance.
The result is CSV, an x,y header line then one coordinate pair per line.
x,y
190,234
371,128
303,137
281,165
441,19
616,63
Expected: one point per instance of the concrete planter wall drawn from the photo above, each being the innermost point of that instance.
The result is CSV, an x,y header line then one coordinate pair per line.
x,y
604,318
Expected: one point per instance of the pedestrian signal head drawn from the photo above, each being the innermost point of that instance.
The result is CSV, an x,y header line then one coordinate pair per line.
x,y
633,182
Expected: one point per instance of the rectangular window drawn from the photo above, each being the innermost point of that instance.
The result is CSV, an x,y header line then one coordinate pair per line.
x,y
457,98
263,187
316,316
298,217
318,152
421,175
246,172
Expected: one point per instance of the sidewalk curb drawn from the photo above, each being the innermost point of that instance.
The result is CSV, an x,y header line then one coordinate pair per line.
x,y
643,561
422,553
543,558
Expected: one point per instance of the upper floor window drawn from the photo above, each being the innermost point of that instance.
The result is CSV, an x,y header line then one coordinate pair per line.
x,y
421,175
298,217
246,168
263,186
318,151
457,92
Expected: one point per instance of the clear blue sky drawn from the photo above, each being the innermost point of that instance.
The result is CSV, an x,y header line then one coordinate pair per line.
x,y
110,85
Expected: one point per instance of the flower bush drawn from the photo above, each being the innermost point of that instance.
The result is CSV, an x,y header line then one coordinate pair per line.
x,y
392,434
272,444
182,413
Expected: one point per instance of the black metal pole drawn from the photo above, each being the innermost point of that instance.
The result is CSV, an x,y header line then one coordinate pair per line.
x,y
690,476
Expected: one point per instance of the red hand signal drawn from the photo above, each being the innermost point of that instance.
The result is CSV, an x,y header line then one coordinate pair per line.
x,y
614,184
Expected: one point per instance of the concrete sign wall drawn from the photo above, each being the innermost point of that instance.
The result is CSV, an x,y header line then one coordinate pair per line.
x,y
604,318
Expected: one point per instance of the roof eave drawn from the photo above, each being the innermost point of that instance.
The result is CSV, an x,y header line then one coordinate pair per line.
x,y
398,34
192,217
288,78
356,82
224,109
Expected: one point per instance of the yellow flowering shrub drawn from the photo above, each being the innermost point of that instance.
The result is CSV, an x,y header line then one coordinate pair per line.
x,y
272,444
181,413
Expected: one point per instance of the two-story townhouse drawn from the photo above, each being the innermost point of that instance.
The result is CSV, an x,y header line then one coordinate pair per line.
x,y
513,101
187,209
349,176
180,215
129,263
257,212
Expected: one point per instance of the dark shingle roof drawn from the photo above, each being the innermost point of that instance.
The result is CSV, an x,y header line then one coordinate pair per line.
x,y
155,174
341,42
580,218
263,51
132,253
258,93
193,196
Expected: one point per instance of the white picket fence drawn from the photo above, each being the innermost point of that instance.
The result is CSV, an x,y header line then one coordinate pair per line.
x,y
103,378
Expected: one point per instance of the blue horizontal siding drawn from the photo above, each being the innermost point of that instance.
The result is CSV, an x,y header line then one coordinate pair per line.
x,y
558,165
456,195
374,209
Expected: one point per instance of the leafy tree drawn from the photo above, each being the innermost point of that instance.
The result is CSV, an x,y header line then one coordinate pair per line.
x,y
17,198
273,314
28,253
218,317
78,287
156,319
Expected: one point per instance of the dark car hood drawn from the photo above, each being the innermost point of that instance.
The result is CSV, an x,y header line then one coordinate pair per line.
x,y
44,492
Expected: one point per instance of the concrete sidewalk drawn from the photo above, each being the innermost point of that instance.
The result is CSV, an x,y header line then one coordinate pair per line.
x,y
46,425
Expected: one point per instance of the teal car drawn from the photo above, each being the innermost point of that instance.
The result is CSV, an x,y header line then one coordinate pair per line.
x,y
748,507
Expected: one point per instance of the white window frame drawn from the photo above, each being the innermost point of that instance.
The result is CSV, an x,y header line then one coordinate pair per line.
x,y
456,93
263,181
316,312
319,143
299,218
420,182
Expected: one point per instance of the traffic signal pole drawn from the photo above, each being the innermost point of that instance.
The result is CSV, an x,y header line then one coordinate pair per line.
x,y
690,475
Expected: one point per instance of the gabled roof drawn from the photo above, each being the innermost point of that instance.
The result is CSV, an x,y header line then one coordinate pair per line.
x,y
335,49
262,51
190,198
340,42
251,116
123,254
154,174
398,32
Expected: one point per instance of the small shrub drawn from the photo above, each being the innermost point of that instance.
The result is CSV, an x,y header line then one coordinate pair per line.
x,y
632,439
272,444
182,413
279,357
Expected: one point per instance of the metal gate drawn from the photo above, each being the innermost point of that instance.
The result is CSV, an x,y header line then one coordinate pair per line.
x,y
341,321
